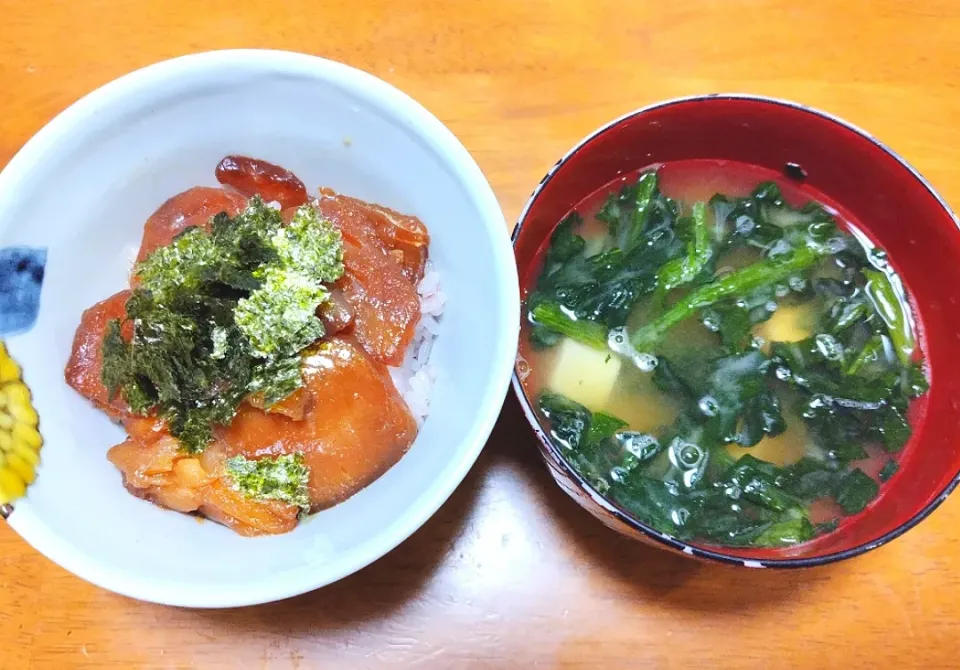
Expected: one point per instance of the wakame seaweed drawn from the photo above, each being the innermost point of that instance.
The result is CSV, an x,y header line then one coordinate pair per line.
x,y
849,383
220,316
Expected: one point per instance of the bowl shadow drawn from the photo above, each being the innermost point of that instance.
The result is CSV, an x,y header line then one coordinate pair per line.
x,y
377,591
646,571
385,587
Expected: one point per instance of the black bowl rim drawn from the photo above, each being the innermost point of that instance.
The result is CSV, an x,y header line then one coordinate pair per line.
x,y
609,506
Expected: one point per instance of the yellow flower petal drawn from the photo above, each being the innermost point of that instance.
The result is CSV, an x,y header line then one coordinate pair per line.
x,y
6,441
6,422
11,487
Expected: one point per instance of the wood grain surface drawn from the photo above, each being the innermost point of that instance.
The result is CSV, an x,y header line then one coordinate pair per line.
x,y
510,573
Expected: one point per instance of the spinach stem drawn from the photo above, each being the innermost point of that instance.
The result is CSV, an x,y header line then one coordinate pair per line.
x,y
552,316
685,269
889,306
743,281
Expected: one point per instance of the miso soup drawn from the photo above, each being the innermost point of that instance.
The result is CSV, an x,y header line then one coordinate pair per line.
x,y
722,354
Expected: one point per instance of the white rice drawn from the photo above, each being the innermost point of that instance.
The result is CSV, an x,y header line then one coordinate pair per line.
x,y
416,377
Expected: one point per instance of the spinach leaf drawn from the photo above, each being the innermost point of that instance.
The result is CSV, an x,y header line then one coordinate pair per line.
x,y
565,244
894,429
786,533
870,360
845,407
811,478
668,378
846,311
727,399
597,446
889,470
603,288
756,481
760,417
739,403
719,518
654,501
637,208
603,426
746,507
855,491
721,207
913,382
616,283
733,323
543,337
569,420
763,218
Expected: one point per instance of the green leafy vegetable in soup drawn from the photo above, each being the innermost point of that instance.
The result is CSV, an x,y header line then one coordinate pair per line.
x,y
222,315
728,371
282,478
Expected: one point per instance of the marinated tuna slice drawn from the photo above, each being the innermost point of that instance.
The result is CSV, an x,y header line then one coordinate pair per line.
x,y
252,176
160,472
380,293
225,505
403,234
194,207
86,358
384,315
144,429
156,469
356,428
294,405
336,313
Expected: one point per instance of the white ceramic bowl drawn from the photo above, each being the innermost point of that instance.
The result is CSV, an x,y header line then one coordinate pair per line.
x,y
83,187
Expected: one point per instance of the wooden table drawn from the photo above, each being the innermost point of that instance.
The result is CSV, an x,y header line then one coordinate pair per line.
x,y
510,573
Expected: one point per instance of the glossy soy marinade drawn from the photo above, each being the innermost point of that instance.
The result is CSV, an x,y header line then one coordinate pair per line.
x,y
736,369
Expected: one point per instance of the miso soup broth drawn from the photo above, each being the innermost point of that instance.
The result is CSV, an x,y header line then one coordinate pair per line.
x,y
721,353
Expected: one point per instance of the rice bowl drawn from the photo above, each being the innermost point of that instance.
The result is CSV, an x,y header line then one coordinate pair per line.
x,y
121,151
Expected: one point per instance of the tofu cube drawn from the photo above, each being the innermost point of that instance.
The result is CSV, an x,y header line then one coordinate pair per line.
x,y
644,412
783,450
584,374
787,324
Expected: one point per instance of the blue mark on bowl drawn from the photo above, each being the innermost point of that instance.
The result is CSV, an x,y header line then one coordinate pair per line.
x,y
21,275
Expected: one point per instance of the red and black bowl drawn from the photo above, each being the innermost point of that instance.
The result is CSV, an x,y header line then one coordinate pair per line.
x,y
899,210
